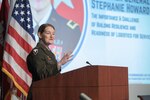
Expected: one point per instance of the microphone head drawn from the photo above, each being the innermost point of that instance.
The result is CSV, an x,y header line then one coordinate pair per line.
x,y
88,63
83,96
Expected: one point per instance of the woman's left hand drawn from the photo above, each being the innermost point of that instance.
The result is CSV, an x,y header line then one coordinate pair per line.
x,y
67,57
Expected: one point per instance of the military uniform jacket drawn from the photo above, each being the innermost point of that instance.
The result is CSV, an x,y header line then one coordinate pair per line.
x,y
41,63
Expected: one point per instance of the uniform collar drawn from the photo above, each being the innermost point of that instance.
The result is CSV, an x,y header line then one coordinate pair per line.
x,y
43,46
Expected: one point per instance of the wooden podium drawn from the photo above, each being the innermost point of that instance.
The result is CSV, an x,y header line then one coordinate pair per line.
x,y
98,82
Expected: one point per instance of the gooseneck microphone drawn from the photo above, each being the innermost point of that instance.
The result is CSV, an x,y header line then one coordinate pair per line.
x,y
83,96
89,63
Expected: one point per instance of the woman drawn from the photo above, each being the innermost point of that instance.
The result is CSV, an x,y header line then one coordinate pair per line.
x,y
41,61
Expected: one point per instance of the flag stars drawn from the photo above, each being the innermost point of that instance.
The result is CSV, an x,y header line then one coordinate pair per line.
x,y
17,5
22,6
28,19
22,13
28,12
28,26
28,6
16,12
22,20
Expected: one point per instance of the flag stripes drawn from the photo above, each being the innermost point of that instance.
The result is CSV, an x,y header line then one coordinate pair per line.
x,y
21,42
23,88
22,33
17,69
17,58
11,41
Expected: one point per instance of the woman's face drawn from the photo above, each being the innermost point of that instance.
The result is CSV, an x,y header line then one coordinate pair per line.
x,y
48,35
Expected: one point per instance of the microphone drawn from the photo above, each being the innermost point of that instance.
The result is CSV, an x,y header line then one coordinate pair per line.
x,y
89,63
83,96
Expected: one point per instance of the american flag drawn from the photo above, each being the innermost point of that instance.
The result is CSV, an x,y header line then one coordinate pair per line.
x,y
19,42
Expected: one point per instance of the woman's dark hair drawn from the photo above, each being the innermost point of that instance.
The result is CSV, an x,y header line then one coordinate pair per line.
x,y
43,26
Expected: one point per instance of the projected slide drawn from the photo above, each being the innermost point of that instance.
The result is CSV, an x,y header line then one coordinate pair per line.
x,y
102,32
115,33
